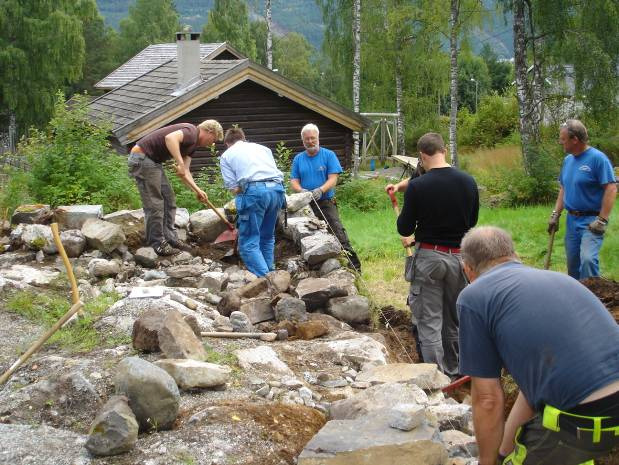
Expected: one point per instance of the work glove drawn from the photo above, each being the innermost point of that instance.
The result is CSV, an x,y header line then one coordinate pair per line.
x,y
317,193
598,226
553,222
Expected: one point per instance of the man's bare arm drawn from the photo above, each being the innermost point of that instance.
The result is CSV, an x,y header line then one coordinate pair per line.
x,y
488,401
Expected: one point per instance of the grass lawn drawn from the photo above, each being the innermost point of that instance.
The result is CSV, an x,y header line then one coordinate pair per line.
x,y
374,237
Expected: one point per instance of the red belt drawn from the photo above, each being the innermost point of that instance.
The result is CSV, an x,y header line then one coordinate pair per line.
x,y
440,248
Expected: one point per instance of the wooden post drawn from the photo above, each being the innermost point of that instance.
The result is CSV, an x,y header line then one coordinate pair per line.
x,y
75,293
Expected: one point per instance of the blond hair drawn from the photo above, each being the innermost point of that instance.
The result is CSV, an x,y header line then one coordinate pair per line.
x,y
212,126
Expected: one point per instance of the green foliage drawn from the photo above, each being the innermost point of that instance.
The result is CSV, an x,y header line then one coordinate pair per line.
x,y
46,309
13,193
72,162
100,48
494,123
501,72
229,21
609,144
362,195
149,22
207,179
473,80
283,160
259,34
41,49
293,56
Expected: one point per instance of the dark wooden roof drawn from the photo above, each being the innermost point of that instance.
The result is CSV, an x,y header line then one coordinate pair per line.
x,y
156,55
147,103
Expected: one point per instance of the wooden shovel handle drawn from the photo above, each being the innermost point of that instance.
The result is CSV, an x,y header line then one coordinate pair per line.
x,y
75,295
223,218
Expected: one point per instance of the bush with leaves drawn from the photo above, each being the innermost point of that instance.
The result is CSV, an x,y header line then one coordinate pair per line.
x,y
362,195
72,162
208,179
495,122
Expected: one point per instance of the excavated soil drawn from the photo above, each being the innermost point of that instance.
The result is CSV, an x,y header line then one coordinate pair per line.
x,y
607,291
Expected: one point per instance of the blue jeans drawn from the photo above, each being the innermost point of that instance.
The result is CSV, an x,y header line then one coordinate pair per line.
x,y
582,247
257,209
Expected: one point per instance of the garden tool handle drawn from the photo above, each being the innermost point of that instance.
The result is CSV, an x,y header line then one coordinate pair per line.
x,y
223,218
394,203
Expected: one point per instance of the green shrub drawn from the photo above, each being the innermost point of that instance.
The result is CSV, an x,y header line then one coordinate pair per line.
x,y
363,195
13,192
609,145
494,123
208,179
72,162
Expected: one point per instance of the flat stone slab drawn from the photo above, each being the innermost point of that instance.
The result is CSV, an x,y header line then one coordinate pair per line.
x,y
370,440
41,445
262,358
192,374
74,216
424,375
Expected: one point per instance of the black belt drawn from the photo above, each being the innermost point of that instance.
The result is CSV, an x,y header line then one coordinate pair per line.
x,y
265,180
584,213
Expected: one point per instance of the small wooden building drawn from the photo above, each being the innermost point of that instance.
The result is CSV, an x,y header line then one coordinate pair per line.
x,y
269,107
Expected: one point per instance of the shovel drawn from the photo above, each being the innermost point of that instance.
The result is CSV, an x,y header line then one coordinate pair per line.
x,y
227,236
408,266
549,251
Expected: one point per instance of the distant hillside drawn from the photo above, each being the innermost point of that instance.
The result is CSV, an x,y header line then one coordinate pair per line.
x,y
302,16
305,17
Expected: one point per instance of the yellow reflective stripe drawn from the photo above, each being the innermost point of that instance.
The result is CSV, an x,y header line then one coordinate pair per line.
x,y
597,429
519,454
550,419
588,462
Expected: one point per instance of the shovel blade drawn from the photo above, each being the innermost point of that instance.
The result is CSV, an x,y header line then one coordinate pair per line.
x,y
229,235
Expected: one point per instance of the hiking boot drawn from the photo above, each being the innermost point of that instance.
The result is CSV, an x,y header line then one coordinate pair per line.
x,y
165,249
178,244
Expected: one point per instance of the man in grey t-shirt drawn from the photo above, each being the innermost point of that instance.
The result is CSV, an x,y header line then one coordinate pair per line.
x,y
558,342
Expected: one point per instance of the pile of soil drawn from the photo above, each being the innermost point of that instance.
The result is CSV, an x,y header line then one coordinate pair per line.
x,y
396,328
607,291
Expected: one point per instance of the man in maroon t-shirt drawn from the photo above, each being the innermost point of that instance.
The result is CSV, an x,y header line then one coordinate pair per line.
x,y
177,142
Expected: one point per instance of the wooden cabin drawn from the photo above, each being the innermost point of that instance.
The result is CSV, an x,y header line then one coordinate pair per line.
x,y
269,107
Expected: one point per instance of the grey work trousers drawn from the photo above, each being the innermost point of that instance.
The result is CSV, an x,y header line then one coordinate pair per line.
x,y
437,281
158,199
327,211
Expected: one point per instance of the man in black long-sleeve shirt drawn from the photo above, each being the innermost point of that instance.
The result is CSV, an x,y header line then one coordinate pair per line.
x,y
439,208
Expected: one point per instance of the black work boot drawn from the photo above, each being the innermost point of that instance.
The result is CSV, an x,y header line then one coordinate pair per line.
x,y
165,249
178,244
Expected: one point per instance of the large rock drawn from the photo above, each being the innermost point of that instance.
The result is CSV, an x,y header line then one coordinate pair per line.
x,y
383,397
73,241
103,235
146,257
177,339
459,444
39,237
330,265
452,416
351,309
319,247
29,275
152,393
262,358
308,330
240,323
192,374
343,279
254,288
297,201
370,441
425,375
41,445
354,349
114,429
230,302
291,309
101,268
407,416
181,220
132,224
207,225
31,214
185,271
214,281
257,309
145,335
279,281
74,216
316,292
303,226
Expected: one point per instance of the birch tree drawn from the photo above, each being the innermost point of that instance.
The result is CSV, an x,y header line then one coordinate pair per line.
x,y
269,34
454,14
356,74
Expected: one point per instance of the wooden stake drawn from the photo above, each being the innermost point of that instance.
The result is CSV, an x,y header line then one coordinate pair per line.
x,y
75,293
268,337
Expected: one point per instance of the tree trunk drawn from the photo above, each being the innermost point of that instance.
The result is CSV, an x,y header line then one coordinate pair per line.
x,y
269,35
453,80
398,103
529,133
356,73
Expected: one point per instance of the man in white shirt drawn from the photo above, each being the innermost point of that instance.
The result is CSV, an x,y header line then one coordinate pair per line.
x,y
249,171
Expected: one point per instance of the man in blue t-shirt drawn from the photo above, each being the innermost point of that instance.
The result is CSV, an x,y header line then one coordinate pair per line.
x,y
558,342
316,169
588,191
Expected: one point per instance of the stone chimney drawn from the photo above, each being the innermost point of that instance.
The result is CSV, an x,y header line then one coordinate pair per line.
x,y
188,59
